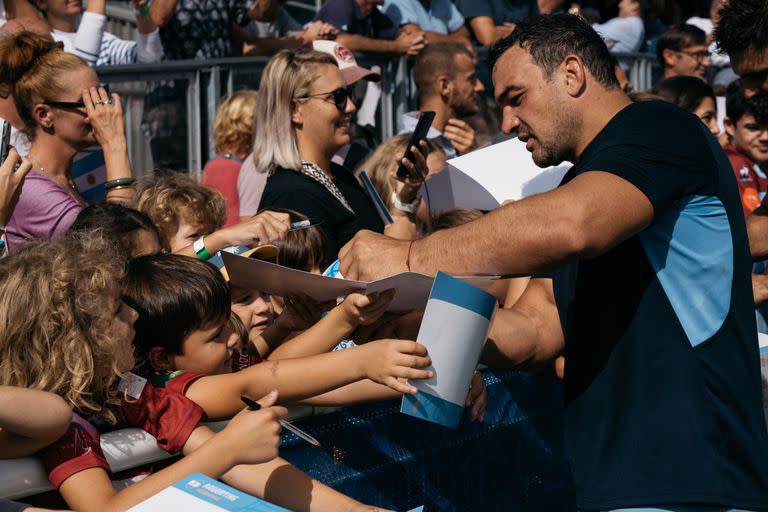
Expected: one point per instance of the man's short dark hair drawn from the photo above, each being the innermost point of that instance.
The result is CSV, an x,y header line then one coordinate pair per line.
x,y
549,39
737,105
743,26
437,58
679,37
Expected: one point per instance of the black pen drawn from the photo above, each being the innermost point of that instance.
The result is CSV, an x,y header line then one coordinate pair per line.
x,y
253,404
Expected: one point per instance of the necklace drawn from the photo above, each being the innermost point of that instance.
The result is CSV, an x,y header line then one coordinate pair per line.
x,y
68,185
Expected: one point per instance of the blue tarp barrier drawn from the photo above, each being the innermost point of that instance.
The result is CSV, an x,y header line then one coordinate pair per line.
x,y
511,462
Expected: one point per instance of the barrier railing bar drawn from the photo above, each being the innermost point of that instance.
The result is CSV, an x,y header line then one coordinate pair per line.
x,y
194,137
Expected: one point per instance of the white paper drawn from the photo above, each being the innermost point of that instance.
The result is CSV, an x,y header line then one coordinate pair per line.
x,y
411,289
487,177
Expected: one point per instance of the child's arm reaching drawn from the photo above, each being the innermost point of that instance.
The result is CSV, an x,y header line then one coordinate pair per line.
x,y
357,309
252,437
30,420
382,361
369,391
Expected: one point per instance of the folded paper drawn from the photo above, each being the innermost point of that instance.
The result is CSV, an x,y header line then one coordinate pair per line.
x,y
454,328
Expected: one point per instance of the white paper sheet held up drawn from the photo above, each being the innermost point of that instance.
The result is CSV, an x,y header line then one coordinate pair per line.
x,y
411,289
487,177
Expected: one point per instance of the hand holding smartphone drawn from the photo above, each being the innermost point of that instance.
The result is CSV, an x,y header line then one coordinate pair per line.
x,y
5,145
419,134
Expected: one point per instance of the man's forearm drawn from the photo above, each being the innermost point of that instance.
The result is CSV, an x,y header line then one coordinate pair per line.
x,y
162,11
358,43
529,334
543,243
19,9
757,231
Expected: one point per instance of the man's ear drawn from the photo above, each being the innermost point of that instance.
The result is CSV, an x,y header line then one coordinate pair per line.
x,y
159,360
669,57
43,115
444,86
575,75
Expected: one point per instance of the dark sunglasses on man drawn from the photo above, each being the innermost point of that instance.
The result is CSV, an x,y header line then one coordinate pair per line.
x,y
339,96
76,104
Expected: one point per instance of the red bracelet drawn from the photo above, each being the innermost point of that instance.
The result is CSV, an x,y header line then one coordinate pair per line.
x,y
408,258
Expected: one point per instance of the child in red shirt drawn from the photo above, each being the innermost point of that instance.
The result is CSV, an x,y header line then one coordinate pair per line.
x,y
746,124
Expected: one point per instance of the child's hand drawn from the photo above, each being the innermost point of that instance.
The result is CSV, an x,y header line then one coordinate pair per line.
x,y
254,436
477,397
260,229
384,361
360,309
301,313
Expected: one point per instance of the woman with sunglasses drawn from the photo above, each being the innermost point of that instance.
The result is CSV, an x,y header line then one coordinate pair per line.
x,y
64,110
303,117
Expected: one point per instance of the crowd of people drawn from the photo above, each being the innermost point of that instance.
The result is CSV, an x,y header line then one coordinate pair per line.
x,y
644,282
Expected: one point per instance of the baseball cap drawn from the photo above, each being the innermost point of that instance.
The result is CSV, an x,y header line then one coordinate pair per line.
x,y
346,61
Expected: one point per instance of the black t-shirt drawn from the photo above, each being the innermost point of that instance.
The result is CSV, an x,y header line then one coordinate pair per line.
x,y
295,191
662,378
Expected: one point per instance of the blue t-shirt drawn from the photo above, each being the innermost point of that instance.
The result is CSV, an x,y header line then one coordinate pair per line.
x,y
662,383
442,17
501,11
347,17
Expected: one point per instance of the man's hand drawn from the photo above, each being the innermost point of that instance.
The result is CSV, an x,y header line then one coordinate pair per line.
x,y
410,43
461,135
504,30
370,256
319,30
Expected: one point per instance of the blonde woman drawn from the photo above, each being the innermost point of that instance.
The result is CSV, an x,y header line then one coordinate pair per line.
x,y
232,140
64,110
303,116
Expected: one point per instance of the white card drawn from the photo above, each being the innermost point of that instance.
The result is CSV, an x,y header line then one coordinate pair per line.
x,y
132,385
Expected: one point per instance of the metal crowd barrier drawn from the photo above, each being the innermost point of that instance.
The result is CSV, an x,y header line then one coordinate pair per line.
x,y
208,81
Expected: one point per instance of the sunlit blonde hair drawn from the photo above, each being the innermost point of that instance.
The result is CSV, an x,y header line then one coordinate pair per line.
x,y
33,68
56,319
172,197
233,125
380,164
289,75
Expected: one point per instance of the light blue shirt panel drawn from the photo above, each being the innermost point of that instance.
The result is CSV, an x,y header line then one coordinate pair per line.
x,y
627,34
691,249
442,17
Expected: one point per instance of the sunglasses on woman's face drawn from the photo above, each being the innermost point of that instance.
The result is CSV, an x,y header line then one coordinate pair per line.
x,y
339,96
75,104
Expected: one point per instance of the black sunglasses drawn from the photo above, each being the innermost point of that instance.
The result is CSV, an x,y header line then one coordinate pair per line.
x,y
75,104
339,96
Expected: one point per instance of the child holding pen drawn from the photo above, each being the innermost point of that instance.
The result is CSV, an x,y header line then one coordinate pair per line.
x,y
67,331
183,337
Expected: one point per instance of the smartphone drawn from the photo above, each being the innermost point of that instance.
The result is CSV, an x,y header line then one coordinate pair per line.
x,y
419,134
5,146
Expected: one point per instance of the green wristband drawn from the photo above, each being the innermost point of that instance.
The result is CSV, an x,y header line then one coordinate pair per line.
x,y
200,251
119,182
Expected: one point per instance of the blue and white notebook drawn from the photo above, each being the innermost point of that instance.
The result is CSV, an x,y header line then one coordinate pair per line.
x,y
381,208
199,493
454,328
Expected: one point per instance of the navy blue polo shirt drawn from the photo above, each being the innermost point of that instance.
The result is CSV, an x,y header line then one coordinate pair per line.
x,y
662,382
347,17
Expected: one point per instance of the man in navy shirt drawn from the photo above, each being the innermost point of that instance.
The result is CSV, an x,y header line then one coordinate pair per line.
x,y
650,297
364,28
